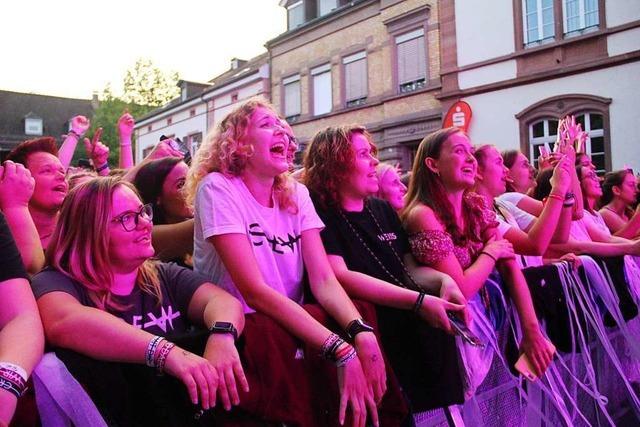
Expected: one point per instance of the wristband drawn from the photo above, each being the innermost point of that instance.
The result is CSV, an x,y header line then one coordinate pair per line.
x,y
15,368
556,196
346,358
151,351
74,133
418,304
328,346
103,167
162,355
11,387
489,255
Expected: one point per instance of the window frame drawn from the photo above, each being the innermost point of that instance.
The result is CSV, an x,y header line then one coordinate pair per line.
x,y
541,38
404,37
319,70
290,8
349,59
293,78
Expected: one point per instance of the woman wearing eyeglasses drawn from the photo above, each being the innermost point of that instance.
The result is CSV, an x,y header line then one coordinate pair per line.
x,y
102,297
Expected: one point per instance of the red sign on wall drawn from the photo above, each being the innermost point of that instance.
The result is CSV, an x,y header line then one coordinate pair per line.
x,y
459,115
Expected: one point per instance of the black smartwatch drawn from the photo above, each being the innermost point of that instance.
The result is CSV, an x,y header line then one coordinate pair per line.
x,y
224,328
355,327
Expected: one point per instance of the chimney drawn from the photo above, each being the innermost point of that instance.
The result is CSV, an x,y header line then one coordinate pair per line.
x,y
95,102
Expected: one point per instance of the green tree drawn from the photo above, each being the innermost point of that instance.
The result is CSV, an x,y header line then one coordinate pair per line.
x,y
146,87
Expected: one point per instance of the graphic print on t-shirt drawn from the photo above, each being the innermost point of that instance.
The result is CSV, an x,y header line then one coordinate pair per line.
x,y
387,237
167,315
277,243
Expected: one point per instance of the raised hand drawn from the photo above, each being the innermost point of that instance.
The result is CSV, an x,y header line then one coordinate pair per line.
x,y
96,150
79,125
223,357
561,178
16,185
125,126
163,149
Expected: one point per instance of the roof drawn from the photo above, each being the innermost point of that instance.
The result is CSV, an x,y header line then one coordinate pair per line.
x,y
55,112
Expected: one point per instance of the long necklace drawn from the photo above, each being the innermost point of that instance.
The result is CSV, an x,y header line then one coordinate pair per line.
x,y
373,255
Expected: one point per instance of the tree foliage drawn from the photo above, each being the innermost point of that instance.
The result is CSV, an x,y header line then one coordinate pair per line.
x,y
146,87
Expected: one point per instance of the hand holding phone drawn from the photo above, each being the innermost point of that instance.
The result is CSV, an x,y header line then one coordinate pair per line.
x,y
524,366
461,329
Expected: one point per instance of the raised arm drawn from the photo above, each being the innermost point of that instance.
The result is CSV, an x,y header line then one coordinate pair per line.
x,y
98,152
79,125
16,188
125,130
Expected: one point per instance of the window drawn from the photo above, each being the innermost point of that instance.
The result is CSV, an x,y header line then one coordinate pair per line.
x,y
541,133
412,63
538,21
33,126
544,132
579,15
295,14
355,78
292,97
326,6
321,89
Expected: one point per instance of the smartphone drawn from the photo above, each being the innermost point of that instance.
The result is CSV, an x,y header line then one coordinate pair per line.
x,y
524,366
461,329
544,150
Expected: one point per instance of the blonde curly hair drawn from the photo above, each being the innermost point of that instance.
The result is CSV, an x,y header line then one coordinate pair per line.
x,y
227,151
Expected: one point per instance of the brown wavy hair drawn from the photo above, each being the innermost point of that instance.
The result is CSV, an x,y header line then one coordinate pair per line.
x,y
226,150
328,161
425,187
79,247
22,151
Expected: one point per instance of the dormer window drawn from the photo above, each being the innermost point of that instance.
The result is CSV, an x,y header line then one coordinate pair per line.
x,y
32,125
295,13
326,6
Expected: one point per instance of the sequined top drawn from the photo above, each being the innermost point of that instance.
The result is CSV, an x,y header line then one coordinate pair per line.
x,y
432,246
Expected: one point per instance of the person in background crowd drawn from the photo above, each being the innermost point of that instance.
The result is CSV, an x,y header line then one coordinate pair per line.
x,y
619,192
340,166
522,175
160,184
257,231
528,234
77,176
21,336
583,159
40,157
454,232
100,274
390,187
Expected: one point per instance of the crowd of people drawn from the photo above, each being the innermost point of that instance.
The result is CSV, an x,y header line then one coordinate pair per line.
x,y
341,292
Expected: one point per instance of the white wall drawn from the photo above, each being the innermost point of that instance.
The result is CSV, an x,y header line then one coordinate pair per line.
x,y
484,30
494,113
488,74
623,42
181,126
621,11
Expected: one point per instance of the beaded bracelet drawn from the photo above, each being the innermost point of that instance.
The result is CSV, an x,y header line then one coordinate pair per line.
x,y
74,133
162,355
151,351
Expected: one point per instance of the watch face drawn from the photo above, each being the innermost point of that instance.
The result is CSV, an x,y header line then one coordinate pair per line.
x,y
223,325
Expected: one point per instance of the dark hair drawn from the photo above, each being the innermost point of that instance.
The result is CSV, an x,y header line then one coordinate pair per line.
x,y
328,161
612,179
22,151
149,181
509,158
426,187
543,184
579,171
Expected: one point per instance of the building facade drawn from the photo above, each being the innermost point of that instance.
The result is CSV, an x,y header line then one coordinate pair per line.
x,y
370,62
522,64
26,116
201,106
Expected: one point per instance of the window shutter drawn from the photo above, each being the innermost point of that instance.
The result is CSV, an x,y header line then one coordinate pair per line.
x,y
355,77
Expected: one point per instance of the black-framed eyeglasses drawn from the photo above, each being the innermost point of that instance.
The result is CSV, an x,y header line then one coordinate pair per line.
x,y
129,220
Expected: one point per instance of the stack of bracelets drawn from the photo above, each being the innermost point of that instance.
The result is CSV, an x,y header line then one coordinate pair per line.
x,y
157,352
13,378
337,350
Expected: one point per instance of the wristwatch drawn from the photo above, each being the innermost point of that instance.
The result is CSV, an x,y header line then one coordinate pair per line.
x,y
224,328
355,327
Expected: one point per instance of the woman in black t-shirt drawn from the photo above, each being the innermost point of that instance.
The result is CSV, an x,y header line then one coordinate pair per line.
x,y
101,274
370,256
